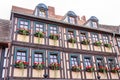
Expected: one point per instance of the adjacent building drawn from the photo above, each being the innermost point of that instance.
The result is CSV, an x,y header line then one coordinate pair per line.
x,y
43,45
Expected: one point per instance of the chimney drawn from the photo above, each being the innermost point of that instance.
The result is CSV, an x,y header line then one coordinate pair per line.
x,y
51,11
83,18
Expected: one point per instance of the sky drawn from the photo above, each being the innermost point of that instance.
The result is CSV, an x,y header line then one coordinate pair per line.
x,y
107,11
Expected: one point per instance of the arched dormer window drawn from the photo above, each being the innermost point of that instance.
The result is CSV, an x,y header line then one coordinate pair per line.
x,y
92,22
71,17
41,10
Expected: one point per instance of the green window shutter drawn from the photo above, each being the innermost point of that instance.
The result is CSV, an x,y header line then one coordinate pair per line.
x,y
70,60
58,55
74,31
44,27
48,30
27,54
18,23
33,52
34,27
67,33
48,58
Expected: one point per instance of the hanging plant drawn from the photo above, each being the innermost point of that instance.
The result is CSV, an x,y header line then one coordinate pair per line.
x,y
76,68
38,66
85,42
89,68
115,70
72,40
109,45
23,31
54,36
21,64
39,35
102,69
54,66
97,43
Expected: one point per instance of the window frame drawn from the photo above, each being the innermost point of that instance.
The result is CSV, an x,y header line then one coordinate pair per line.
x,y
49,30
54,53
94,24
69,29
40,23
95,37
103,62
71,18
42,11
103,39
38,51
20,49
91,60
86,35
77,57
114,63
118,41
21,19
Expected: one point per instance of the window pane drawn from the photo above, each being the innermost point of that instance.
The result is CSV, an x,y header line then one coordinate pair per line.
x,y
18,58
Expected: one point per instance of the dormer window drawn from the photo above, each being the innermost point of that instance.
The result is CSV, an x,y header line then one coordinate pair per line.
x,y
72,20
41,10
71,17
42,13
92,22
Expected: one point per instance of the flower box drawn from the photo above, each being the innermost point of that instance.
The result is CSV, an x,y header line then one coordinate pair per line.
x,y
39,34
76,68
102,69
38,66
54,36
21,64
108,45
115,70
89,68
23,31
54,66
85,42
97,43
72,40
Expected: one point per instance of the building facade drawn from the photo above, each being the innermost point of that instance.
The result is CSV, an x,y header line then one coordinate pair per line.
x,y
44,45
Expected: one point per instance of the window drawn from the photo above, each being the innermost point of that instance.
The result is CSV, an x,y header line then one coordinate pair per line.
x,y
53,58
72,20
118,41
42,13
53,29
111,63
99,62
38,57
94,37
83,36
87,61
74,61
23,23
21,55
39,27
70,34
94,24
105,39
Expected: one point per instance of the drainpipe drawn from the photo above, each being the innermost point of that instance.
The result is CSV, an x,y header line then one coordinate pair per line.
x,y
115,49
